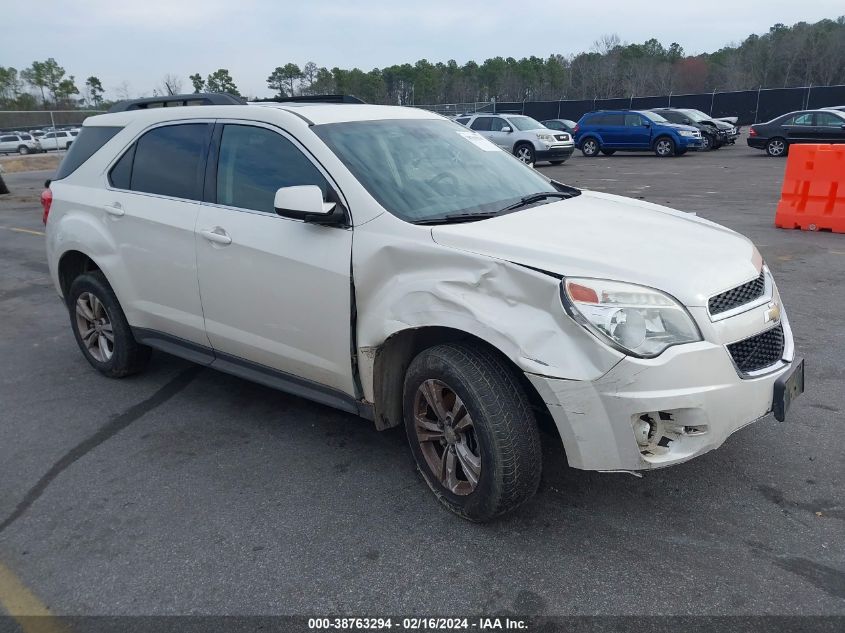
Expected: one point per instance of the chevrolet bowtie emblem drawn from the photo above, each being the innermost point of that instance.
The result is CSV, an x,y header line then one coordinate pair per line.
x,y
772,314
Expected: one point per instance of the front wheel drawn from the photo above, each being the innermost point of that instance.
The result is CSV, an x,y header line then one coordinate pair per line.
x,y
472,431
525,153
776,147
590,147
707,143
23,150
664,146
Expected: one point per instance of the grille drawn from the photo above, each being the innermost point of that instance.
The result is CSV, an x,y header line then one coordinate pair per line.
x,y
759,351
738,296
562,137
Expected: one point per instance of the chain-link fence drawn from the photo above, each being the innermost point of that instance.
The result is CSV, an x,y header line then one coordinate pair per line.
x,y
749,106
42,120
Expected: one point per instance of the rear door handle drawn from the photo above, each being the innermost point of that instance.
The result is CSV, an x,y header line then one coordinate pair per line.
x,y
114,209
217,235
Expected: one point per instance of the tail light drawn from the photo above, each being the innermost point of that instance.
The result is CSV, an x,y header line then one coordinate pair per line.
x,y
46,201
575,129
751,131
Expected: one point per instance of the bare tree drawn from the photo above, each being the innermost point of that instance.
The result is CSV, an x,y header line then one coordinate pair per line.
x,y
171,84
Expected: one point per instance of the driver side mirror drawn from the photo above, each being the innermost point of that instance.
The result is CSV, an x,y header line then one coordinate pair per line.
x,y
305,202
647,123
507,129
686,121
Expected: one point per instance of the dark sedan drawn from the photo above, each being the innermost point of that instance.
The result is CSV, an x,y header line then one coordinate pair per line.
x,y
804,126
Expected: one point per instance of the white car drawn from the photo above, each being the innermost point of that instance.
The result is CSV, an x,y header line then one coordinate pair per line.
x,y
59,139
19,143
384,261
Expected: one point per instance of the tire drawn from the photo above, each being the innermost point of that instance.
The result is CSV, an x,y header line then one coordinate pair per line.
x,y
777,147
501,437
90,295
608,152
664,147
23,150
524,152
590,147
707,143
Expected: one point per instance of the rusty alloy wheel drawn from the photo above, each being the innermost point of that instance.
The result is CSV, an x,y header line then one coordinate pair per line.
x,y
446,435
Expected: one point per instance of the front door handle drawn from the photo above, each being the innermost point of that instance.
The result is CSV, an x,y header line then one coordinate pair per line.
x,y
114,209
217,235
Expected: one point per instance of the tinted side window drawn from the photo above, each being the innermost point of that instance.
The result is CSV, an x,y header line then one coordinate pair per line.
x,y
827,119
121,174
50,135
482,124
86,144
496,124
169,160
553,125
463,120
633,120
8,139
254,162
801,119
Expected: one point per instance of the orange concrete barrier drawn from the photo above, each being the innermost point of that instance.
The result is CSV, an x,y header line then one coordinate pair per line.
x,y
813,194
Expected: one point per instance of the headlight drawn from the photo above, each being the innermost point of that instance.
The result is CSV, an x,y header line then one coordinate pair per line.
x,y
548,138
686,133
636,320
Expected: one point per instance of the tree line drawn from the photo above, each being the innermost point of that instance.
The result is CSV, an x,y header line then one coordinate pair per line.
x,y
799,55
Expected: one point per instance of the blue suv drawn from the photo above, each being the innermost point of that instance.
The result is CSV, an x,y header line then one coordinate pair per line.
x,y
608,131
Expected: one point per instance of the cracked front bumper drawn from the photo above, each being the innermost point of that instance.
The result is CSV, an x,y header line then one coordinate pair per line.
x,y
691,396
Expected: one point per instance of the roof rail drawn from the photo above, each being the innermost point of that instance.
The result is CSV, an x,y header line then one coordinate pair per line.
x,y
170,101
313,99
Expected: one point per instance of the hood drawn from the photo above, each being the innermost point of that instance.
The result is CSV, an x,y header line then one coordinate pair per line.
x,y
728,119
612,237
722,125
676,126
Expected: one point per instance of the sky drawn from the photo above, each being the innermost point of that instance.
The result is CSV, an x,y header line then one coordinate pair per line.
x,y
139,42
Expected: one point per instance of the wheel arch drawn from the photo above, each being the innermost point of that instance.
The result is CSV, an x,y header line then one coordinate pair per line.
x,y
73,263
394,356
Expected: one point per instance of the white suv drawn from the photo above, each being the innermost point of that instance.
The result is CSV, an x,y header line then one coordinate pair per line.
x,y
60,139
19,143
526,138
392,264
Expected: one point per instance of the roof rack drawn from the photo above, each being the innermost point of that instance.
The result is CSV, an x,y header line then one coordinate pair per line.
x,y
170,101
313,99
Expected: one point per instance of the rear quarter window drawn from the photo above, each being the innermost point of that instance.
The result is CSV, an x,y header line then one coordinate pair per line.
x,y
84,146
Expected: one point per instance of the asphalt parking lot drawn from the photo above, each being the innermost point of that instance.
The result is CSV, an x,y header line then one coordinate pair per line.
x,y
187,491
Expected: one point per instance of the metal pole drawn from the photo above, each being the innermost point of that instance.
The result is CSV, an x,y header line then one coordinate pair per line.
x,y
55,138
712,99
757,107
670,99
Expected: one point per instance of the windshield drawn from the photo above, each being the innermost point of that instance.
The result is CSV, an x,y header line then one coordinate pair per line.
x,y
653,116
523,123
695,115
426,169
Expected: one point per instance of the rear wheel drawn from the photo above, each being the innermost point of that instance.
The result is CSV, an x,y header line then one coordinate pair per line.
x,y
472,431
101,329
664,147
525,153
590,147
776,147
23,150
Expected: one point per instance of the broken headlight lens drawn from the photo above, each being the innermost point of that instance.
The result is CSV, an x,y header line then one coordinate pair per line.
x,y
636,320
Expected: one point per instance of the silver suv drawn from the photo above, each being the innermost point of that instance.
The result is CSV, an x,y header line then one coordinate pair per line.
x,y
18,142
526,138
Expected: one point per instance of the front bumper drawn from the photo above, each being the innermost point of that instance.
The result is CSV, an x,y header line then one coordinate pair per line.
x,y
691,396
554,152
691,142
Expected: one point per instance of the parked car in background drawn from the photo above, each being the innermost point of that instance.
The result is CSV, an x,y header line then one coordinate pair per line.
x,y
803,126
526,138
729,125
59,139
609,131
406,270
837,108
19,144
563,125
712,137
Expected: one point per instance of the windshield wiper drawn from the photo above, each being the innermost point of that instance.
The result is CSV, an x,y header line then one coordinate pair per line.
x,y
537,197
454,218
